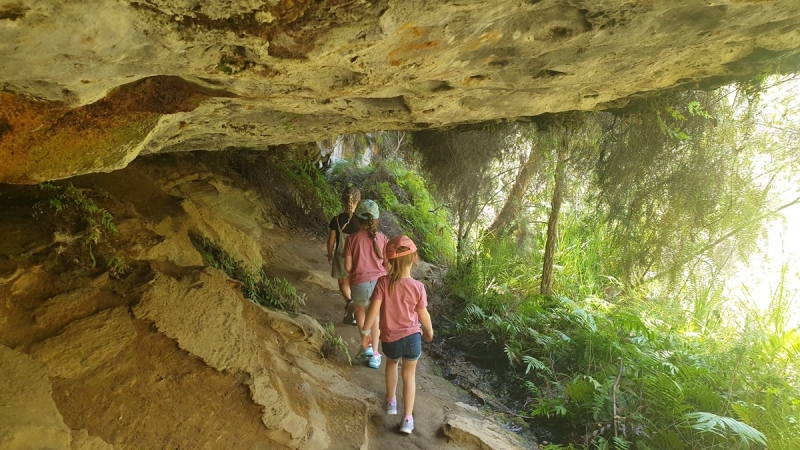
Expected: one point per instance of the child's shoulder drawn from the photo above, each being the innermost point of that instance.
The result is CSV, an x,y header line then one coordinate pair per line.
x,y
416,284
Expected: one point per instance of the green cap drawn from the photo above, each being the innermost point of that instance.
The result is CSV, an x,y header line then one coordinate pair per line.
x,y
366,209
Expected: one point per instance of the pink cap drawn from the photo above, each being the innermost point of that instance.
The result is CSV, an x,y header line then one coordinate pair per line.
x,y
399,242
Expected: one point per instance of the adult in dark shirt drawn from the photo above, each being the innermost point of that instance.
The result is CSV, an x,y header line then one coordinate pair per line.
x,y
342,226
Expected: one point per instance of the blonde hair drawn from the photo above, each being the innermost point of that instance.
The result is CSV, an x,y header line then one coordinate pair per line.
x,y
371,225
350,199
399,266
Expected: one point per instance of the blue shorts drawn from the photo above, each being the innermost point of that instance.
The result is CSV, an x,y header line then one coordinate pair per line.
x,y
409,348
360,293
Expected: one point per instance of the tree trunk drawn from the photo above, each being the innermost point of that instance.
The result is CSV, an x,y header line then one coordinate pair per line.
x,y
552,223
468,214
515,198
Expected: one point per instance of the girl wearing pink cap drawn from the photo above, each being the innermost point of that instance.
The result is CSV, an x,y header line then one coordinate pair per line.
x,y
404,321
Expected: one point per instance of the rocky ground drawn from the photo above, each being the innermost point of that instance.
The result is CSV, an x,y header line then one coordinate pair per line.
x,y
169,354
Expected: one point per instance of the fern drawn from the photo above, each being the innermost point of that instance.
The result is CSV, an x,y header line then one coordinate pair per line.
x,y
719,425
621,443
581,389
511,353
533,363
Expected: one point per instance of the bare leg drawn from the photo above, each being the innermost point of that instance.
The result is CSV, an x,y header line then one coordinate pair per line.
x,y
344,288
391,379
409,373
361,315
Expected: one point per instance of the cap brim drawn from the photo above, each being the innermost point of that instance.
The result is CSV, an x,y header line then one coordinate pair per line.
x,y
403,253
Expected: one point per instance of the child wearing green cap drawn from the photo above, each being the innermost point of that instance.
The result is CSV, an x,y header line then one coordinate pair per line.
x,y
364,259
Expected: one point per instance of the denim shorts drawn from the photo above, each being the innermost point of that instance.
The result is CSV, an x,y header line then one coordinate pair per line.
x,y
409,348
360,293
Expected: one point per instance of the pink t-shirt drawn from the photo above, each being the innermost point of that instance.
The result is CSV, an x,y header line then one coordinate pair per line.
x,y
399,316
366,264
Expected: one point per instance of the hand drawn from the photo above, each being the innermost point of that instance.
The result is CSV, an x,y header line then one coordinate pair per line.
x,y
330,259
365,340
427,335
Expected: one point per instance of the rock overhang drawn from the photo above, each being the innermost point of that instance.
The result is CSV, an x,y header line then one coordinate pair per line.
x,y
89,86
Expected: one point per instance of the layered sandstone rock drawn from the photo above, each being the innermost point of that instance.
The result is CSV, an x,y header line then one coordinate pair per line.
x,y
89,86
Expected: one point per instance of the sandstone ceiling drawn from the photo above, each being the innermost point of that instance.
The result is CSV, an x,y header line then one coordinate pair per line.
x,y
89,85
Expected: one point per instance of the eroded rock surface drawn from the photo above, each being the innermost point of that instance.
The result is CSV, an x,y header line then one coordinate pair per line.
x,y
171,354
28,415
89,86
205,316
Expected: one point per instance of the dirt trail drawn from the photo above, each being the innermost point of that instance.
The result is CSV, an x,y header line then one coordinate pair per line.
x,y
143,389
301,260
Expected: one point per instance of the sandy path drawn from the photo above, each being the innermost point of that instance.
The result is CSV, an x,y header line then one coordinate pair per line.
x,y
300,258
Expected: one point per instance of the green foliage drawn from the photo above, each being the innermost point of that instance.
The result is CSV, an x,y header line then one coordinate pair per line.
x,y
256,285
401,191
616,367
466,166
677,185
296,187
77,215
712,423
311,189
332,344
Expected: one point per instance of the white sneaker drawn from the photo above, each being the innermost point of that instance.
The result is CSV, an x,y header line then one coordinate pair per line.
x,y
391,407
408,425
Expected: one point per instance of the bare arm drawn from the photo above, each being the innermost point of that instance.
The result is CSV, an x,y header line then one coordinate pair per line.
x,y
427,327
348,263
372,312
331,244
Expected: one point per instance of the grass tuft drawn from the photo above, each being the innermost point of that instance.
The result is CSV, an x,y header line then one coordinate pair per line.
x,y
256,285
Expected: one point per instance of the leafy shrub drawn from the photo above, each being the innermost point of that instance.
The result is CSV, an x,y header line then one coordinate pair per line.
x,y
296,187
332,344
91,226
256,285
313,189
618,371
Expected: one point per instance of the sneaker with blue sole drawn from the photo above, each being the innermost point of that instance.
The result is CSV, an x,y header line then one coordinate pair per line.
x,y
375,361
365,353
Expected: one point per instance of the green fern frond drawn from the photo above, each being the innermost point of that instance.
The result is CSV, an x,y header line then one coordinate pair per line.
x,y
475,313
533,363
720,425
621,443
581,389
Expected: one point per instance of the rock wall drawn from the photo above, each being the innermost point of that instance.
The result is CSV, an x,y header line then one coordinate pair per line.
x,y
88,86
170,354
29,416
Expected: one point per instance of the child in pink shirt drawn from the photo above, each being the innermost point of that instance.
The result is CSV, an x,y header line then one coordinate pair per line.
x,y
400,305
364,259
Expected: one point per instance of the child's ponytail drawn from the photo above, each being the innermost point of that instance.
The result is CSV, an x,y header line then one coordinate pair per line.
x,y
373,232
367,213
